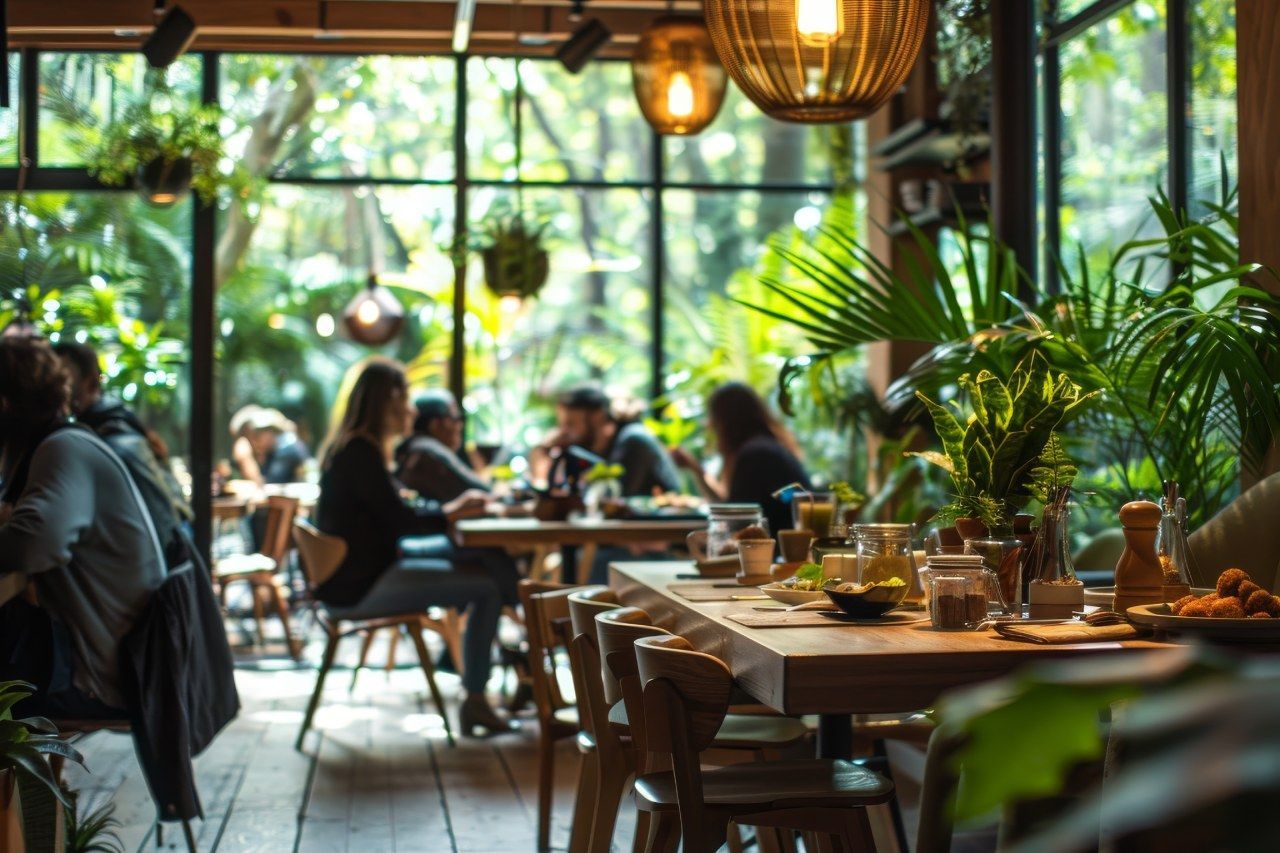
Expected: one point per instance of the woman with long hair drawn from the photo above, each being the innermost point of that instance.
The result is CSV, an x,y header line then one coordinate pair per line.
x,y
362,503
758,455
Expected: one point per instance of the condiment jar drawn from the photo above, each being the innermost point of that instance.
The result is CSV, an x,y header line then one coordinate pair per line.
x,y
726,521
884,551
957,602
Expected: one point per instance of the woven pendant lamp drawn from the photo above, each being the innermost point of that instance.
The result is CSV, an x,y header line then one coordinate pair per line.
x,y
818,60
677,78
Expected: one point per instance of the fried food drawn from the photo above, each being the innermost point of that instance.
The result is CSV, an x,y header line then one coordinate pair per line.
x,y
1261,614
1229,582
1227,608
1176,607
1247,589
1259,601
1199,607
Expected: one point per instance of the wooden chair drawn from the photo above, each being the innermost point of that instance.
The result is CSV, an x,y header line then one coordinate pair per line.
x,y
546,617
685,696
606,769
262,570
320,555
752,736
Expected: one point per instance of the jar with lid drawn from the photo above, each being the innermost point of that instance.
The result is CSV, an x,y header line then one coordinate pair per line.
x,y
727,521
884,551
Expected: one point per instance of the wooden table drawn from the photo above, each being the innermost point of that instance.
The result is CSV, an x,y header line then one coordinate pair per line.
x,y
543,536
11,585
841,670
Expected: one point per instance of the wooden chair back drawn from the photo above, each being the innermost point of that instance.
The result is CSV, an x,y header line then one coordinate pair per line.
x,y
546,620
319,553
584,657
616,634
686,697
281,511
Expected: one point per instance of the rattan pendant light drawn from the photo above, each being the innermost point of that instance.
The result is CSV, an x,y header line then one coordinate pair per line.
x,y
817,60
677,78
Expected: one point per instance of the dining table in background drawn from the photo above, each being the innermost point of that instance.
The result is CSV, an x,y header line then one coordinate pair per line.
x,y
587,535
839,670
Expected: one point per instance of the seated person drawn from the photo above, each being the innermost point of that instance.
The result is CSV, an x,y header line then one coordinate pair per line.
x,y
586,418
74,523
361,503
267,449
141,451
431,461
758,454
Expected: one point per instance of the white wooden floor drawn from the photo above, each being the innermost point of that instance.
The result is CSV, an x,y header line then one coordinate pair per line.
x,y
377,774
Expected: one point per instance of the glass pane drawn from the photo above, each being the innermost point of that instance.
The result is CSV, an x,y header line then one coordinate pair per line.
x,y
1213,129
80,93
744,146
576,127
1068,9
715,249
343,116
115,273
1114,130
592,320
282,286
9,117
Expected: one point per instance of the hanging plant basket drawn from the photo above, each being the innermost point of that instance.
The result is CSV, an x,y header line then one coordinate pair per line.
x,y
162,182
519,271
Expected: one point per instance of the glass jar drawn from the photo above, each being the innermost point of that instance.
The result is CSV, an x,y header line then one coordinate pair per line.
x,y
1004,558
813,511
957,601
726,521
884,551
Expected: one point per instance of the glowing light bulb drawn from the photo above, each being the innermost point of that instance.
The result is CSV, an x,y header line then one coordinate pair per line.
x,y
819,22
368,312
325,325
680,95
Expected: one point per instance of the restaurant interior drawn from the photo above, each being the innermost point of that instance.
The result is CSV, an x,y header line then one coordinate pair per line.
x,y
652,425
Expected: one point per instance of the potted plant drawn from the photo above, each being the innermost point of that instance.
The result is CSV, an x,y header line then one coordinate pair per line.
x,y
603,493
166,152
25,744
515,258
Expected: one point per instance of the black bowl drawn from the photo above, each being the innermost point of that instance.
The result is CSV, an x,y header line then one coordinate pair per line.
x,y
872,604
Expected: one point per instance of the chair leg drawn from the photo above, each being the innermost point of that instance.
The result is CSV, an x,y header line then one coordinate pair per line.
x,y
391,651
614,776
452,635
664,833
429,670
330,650
282,610
546,782
189,836
857,836
586,803
259,613
365,642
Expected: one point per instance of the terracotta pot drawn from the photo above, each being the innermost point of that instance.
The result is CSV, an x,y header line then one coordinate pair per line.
x,y
971,528
11,838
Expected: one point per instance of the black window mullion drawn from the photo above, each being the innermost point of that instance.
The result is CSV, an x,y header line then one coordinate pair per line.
x,y
1179,102
1052,109
29,108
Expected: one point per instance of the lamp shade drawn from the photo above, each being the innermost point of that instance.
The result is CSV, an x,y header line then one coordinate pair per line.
x,y
678,80
818,60
375,316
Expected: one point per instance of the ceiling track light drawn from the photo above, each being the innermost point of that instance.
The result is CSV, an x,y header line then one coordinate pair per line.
x,y
582,45
463,19
174,31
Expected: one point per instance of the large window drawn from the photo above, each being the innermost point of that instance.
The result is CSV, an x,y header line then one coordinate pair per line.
x,y
1140,100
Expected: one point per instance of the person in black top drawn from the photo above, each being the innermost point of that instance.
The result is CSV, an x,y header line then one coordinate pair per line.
x,y
758,455
430,461
362,503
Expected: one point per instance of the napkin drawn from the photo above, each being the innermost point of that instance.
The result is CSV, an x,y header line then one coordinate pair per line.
x,y
1069,632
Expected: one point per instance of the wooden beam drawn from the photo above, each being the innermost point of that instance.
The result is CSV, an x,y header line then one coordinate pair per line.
x,y
1013,128
1258,82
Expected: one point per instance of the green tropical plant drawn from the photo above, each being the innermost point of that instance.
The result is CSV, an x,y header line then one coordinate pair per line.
x,y
25,742
990,450
602,472
515,255
93,832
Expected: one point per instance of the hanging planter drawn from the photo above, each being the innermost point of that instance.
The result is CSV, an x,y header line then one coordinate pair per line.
x,y
161,182
678,81
818,60
516,263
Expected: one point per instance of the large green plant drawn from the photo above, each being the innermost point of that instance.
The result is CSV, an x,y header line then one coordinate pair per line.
x,y
992,445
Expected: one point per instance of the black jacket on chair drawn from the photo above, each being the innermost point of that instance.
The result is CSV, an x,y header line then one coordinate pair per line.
x,y
179,680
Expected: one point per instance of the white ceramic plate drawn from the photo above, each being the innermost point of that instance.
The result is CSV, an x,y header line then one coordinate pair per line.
x,y
1105,596
791,597
1235,630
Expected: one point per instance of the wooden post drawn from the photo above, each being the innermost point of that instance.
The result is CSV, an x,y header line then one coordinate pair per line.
x,y
1013,128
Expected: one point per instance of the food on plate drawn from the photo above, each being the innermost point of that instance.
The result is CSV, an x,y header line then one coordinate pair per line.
x,y
808,578
859,589
1229,582
1238,597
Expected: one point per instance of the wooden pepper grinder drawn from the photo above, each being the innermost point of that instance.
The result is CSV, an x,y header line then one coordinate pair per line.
x,y
1139,578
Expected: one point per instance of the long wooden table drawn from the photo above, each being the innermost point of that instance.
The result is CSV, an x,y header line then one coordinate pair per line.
x,y
541,536
843,669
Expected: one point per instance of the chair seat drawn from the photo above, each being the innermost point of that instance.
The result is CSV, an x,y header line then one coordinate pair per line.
x,y
243,564
739,731
755,785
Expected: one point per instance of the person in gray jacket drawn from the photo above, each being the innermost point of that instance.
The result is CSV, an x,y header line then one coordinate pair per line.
x,y
72,521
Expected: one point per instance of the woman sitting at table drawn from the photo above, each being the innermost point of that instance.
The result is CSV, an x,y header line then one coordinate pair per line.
x,y
361,503
758,455
74,523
